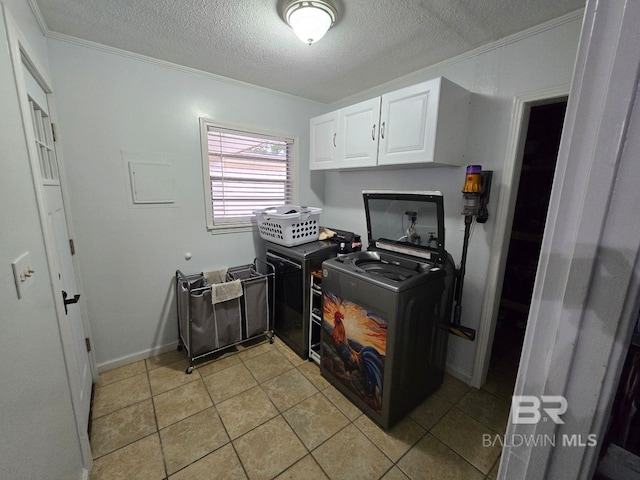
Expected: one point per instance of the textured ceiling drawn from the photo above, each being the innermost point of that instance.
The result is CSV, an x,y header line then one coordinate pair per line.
x,y
373,41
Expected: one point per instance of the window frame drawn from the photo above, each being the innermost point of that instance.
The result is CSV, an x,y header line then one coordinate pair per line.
x,y
250,224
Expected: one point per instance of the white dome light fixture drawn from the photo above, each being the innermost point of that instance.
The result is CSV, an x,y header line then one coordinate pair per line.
x,y
310,20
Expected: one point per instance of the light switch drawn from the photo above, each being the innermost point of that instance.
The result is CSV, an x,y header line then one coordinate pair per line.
x,y
23,273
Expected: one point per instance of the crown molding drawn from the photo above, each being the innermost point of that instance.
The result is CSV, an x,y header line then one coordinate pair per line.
x,y
399,82
432,70
39,18
174,66
144,58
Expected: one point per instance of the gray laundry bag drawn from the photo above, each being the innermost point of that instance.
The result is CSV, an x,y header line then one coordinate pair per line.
x,y
204,325
255,300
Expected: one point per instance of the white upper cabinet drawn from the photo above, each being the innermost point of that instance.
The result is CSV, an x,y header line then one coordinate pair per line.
x,y
425,124
323,138
358,134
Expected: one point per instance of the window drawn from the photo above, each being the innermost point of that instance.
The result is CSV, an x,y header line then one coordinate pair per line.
x,y
43,131
244,171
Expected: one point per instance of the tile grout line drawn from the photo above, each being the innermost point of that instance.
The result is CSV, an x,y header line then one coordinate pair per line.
x,y
155,418
451,406
427,430
460,456
110,384
213,405
455,405
230,442
280,413
131,405
349,423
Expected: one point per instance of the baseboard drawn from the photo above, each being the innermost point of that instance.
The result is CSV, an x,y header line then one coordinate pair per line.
x,y
127,359
459,374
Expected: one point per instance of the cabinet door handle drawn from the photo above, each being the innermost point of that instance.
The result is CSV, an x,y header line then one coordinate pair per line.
x,y
382,130
334,139
373,132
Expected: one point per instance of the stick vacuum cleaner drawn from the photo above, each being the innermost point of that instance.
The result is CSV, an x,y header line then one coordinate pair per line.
x,y
475,195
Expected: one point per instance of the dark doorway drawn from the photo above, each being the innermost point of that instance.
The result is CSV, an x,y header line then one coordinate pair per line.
x,y
534,191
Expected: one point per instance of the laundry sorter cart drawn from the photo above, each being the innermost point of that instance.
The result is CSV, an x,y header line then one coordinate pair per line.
x,y
226,309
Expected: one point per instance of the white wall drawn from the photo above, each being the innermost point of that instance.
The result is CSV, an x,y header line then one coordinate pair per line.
x,y
109,103
38,437
540,61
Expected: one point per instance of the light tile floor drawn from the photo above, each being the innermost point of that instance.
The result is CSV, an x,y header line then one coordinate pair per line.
x,y
261,412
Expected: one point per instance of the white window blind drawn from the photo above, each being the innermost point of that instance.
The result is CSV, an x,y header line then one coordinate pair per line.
x,y
247,171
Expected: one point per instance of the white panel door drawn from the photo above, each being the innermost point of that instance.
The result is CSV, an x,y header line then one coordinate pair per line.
x,y
323,133
358,137
75,342
408,124
71,324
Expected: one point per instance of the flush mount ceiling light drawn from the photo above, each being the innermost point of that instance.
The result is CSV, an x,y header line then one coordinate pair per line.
x,y
310,20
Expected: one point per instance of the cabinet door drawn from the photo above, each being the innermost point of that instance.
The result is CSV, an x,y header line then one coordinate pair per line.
x,y
323,134
358,134
408,124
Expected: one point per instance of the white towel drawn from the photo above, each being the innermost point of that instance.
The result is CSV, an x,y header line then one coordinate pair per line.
x,y
222,292
216,276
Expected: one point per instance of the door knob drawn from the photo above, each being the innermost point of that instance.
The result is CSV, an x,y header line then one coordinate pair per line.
x,y
69,301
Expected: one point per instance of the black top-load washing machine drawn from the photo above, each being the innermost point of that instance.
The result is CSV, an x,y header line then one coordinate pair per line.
x,y
386,310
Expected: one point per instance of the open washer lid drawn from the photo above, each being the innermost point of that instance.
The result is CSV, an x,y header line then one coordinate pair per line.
x,y
410,223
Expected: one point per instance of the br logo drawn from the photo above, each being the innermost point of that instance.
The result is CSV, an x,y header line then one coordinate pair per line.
x,y
527,409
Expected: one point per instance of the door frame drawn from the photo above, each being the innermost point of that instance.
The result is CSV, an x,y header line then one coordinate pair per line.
x,y
586,296
505,209
22,54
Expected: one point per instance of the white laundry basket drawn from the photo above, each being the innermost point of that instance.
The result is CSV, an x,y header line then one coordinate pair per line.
x,y
289,225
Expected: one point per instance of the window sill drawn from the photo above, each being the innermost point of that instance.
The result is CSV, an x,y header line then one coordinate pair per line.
x,y
239,228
